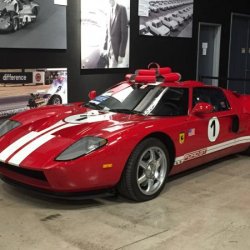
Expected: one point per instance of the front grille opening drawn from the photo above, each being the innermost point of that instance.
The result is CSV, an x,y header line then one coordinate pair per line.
x,y
39,175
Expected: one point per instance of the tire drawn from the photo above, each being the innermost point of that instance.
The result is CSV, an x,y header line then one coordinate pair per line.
x,y
146,171
54,100
14,22
35,11
247,152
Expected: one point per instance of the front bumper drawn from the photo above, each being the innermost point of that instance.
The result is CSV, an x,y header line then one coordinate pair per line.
x,y
74,196
59,181
36,182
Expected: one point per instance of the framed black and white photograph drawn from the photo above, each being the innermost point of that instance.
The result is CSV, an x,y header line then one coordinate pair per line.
x,y
23,89
105,34
33,24
166,18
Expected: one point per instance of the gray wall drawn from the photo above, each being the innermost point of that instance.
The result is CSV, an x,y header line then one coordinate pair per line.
x,y
179,53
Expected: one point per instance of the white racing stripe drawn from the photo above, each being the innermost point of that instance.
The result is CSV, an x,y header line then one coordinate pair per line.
x,y
31,147
228,144
209,150
7,152
30,143
23,153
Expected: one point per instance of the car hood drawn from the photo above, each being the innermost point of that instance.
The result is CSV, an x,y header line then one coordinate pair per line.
x,y
178,18
173,23
74,121
163,30
45,132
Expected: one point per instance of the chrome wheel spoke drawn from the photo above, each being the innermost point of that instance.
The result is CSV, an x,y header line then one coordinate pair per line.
x,y
143,164
159,162
150,185
158,177
142,179
152,155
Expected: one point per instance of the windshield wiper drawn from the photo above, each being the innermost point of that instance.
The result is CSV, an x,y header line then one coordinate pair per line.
x,y
93,105
126,111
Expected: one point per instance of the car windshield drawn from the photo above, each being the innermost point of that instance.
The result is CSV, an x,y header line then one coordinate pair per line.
x,y
143,99
158,24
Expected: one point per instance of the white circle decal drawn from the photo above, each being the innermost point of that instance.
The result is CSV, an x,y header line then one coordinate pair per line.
x,y
88,117
213,129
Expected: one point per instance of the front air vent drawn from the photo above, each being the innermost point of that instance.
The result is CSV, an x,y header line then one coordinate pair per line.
x,y
39,175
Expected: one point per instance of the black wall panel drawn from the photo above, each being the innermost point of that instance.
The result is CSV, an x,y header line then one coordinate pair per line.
x,y
179,53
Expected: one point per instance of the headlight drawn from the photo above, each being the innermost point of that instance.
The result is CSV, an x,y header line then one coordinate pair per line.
x,y
7,126
82,147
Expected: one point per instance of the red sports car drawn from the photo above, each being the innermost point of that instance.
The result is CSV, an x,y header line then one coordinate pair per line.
x,y
130,138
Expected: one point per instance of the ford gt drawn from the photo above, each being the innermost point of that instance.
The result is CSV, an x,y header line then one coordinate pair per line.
x,y
129,139
14,14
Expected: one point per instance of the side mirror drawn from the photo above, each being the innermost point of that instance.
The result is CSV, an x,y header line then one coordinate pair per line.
x,y
92,94
202,108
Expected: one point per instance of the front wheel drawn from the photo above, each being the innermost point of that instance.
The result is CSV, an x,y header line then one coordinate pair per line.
x,y
14,21
145,173
15,24
247,152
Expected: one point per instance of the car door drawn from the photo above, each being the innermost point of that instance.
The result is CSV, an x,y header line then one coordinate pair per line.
x,y
209,135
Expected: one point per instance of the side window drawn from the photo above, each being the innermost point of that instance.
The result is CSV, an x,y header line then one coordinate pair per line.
x,y
173,103
213,96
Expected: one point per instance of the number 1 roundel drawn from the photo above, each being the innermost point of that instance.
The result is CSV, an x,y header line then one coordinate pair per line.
x,y
213,129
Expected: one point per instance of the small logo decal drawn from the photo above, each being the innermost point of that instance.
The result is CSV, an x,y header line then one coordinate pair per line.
x,y
195,154
191,132
181,138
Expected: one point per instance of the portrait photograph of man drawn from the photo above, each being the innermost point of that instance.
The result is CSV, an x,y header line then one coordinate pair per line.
x,y
105,34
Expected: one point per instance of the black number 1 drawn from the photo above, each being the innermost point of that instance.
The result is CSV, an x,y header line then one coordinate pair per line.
x,y
213,126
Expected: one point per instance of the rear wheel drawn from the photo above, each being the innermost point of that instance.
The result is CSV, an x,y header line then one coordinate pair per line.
x,y
145,173
55,99
35,11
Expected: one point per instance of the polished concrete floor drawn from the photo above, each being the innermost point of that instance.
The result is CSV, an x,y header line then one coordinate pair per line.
x,y
208,209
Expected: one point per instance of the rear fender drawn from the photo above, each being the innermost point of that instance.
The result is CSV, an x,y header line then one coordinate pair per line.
x,y
245,103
